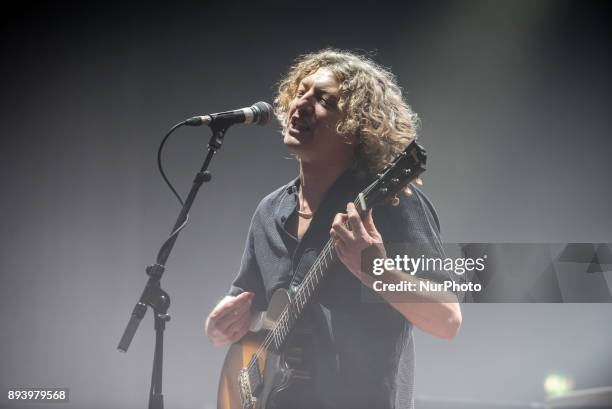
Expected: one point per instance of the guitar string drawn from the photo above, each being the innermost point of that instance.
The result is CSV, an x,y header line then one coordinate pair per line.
x,y
276,329
327,248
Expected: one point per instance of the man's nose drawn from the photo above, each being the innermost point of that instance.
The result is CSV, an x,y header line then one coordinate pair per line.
x,y
305,103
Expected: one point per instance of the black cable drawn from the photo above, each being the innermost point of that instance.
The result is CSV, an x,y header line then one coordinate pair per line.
x,y
159,160
163,174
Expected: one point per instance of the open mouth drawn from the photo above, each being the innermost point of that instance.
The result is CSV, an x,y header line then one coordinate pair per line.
x,y
299,125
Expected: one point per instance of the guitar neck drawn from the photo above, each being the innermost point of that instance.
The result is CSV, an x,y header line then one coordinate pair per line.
x,y
408,165
303,295
312,279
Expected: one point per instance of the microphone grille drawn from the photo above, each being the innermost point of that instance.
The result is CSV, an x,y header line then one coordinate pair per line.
x,y
263,112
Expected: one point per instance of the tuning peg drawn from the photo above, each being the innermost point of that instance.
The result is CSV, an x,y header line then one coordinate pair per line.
x,y
395,201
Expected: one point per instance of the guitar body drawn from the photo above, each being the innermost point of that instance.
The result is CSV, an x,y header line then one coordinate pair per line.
x,y
284,382
274,370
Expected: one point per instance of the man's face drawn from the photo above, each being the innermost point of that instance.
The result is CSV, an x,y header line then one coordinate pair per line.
x,y
313,115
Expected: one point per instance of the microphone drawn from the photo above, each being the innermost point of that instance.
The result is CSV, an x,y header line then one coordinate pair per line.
x,y
259,114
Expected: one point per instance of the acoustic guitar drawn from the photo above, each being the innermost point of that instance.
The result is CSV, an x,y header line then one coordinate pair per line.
x,y
270,369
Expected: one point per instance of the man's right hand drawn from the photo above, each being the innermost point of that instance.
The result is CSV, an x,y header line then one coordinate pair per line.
x,y
230,319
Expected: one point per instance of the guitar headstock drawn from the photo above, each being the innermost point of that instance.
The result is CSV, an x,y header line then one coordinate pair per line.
x,y
406,167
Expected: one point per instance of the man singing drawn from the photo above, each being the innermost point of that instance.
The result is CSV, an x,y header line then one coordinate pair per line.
x,y
344,119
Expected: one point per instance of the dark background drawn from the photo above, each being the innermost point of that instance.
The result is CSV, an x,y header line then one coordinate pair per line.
x,y
514,99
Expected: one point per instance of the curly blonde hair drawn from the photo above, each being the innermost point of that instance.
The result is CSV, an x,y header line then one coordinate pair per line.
x,y
369,98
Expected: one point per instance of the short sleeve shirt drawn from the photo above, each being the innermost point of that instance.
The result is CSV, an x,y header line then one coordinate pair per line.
x,y
364,352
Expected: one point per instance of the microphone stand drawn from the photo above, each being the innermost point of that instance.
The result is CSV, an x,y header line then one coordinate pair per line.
x,y
153,295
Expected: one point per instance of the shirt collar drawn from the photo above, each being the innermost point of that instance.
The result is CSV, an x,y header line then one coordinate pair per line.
x,y
289,195
288,202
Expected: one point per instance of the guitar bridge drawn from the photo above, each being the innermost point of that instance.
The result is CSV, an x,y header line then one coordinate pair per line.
x,y
250,383
246,397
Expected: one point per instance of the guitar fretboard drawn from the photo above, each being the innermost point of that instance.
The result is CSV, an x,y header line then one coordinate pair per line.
x,y
408,165
302,296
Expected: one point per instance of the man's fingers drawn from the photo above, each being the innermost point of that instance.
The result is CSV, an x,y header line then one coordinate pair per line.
x,y
368,221
370,227
341,249
355,220
228,313
236,336
222,324
342,233
338,226
239,301
357,224
241,322
336,237
237,331
232,317
243,297
339,219
241,309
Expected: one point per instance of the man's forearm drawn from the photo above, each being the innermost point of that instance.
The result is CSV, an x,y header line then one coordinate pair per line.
x,y
435,312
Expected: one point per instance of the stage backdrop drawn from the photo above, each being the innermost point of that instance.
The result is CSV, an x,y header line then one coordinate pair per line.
x,y
514,100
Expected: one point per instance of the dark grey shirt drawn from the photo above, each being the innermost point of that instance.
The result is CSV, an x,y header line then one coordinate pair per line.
x,y
364,350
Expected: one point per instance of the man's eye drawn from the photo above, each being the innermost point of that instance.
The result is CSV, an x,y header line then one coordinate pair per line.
x,y
327,102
